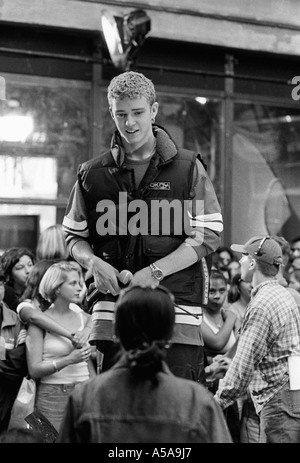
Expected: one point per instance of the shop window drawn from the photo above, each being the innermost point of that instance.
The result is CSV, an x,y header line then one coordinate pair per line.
x,y
194,123
22,230
44,127
265,171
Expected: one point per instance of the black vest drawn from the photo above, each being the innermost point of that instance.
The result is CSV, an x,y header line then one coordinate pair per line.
x,y
132,227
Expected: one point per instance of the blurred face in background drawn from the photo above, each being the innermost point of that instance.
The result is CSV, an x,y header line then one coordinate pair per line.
x,y
217,294
225,258
294,282
21,271
294,274
234,268
296,264
295,250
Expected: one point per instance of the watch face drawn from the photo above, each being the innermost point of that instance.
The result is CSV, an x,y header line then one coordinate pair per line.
x,y
158,274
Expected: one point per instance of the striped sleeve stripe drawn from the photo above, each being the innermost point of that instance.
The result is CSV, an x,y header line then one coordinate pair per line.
x,y
215,226
103,316
103,310
211,221
80,228
207,217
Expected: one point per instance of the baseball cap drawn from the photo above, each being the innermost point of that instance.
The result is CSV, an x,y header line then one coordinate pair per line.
x,y
262,248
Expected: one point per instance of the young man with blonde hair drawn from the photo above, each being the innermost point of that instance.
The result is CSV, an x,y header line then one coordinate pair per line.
x,y
111,222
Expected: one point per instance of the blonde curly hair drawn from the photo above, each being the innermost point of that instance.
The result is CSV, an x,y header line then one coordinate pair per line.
x,y
130,85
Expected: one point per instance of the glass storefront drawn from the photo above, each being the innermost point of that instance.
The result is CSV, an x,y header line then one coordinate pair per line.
x,y
44,126
265,171
195,123
247,133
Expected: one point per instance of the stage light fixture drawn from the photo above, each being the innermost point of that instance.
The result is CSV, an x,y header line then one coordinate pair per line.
x,y
124,36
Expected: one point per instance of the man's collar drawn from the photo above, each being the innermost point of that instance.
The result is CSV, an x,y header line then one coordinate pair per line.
x,y
262,284
165,146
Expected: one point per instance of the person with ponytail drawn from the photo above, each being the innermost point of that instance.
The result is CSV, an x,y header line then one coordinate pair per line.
x,y
139,400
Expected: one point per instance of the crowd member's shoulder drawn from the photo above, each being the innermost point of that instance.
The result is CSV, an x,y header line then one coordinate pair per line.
x,y
9,312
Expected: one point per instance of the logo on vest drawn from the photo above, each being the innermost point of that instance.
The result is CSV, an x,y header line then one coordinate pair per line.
x,y
160,186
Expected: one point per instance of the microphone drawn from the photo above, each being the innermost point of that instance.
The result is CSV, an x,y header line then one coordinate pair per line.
x,y
124,278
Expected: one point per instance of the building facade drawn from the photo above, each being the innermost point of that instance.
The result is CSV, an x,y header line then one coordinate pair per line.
x,y
228,82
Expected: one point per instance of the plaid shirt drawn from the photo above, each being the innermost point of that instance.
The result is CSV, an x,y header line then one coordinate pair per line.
x,y
269,335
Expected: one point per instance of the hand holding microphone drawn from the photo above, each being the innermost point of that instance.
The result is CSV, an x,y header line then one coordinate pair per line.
x,y
124,278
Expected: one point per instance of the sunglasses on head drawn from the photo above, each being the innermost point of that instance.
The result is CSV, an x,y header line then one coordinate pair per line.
x,y
259,250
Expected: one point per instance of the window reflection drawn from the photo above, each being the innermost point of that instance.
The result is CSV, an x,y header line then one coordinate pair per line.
x,y
194,123
44,127
43,136
265,171
28,177
46,216
15,128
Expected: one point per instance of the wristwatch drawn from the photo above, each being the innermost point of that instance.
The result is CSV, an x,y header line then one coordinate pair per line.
x,y
156,272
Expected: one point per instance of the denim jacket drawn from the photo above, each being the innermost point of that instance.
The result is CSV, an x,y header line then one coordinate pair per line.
x,y
10,326
117,407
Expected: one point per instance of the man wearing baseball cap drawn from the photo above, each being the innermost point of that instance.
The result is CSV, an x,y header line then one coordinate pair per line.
x,y
268,346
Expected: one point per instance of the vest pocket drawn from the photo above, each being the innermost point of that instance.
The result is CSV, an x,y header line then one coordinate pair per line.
x,y
111,251
159,246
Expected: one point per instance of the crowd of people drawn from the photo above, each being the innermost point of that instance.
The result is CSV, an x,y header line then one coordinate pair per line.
x,y
51,317
192,345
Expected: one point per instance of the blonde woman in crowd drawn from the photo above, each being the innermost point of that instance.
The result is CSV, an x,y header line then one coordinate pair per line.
x,y
51,245
52,360
32,307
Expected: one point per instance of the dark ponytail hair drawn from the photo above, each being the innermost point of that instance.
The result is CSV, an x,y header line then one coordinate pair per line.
x,y
234,292
144,323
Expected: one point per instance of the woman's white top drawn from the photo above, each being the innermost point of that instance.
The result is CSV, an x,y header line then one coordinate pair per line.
x,y
215,329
